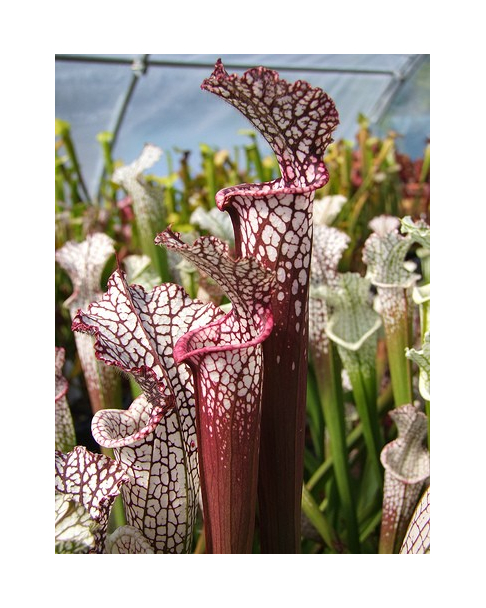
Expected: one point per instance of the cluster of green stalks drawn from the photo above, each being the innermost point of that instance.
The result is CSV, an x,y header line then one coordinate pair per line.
x,y
348,422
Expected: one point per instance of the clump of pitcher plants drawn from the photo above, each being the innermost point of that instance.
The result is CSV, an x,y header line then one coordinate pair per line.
x,y
274,402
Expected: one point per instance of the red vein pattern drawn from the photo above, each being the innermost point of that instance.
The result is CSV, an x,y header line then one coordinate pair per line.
x,y
94,481
226,358
128,540
84,263
273,222
64,433
74,528
142,442
136,331
296,119
245,281
417,538
407,468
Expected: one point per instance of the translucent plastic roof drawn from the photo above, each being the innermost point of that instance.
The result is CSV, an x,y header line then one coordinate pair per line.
x,y
157,99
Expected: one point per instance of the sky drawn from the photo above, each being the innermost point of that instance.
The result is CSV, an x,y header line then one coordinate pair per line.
x,y
168,108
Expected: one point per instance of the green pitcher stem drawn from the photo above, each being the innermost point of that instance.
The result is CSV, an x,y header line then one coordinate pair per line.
x,y
314,413
157,255
117,514
317,518
385,402
397,336
328,375
365,395
71,152
209,173
254,157
400,371
424,318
